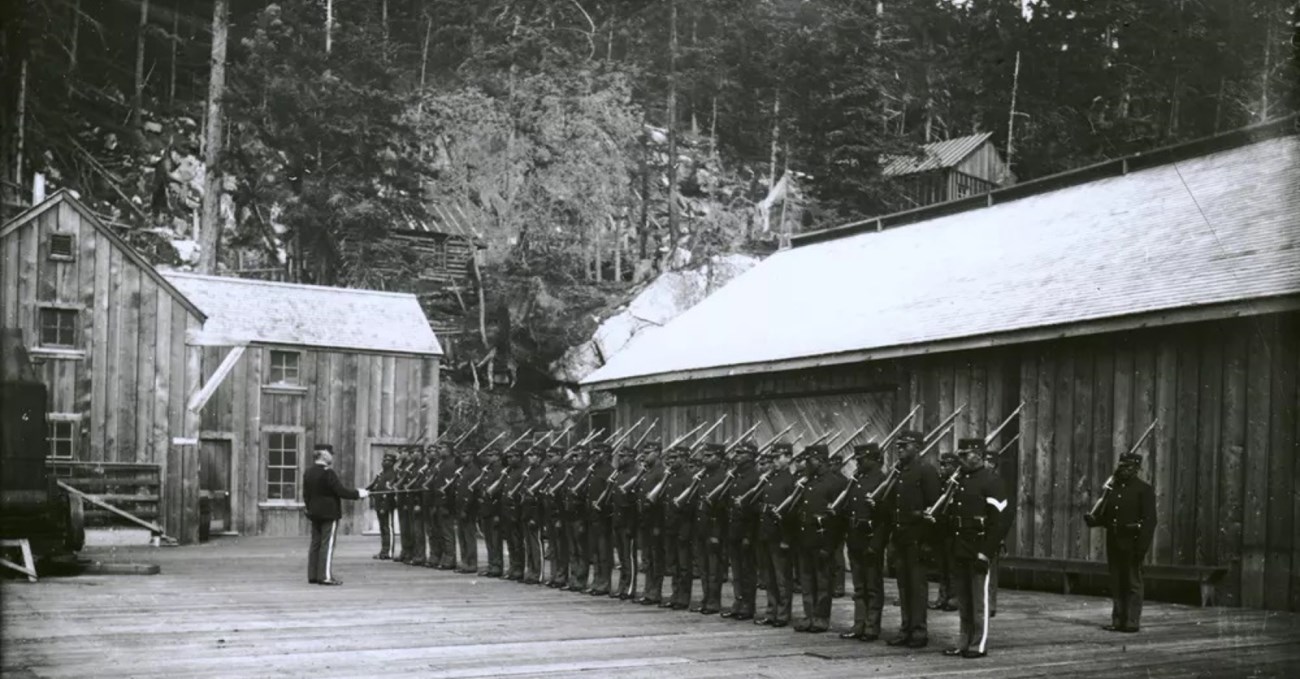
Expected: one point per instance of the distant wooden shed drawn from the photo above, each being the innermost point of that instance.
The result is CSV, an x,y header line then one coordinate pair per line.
x,y
950,169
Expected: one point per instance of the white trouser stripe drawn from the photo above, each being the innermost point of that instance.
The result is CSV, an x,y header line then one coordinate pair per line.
x,y
985,635
329,553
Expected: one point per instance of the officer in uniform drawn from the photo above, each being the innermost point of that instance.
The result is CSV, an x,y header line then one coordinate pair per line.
x,y
943,544
866,538
1008,520
916,490
650,523
742,532
466,504
775,537
1129,516
817,537
711,528
975,517
384,503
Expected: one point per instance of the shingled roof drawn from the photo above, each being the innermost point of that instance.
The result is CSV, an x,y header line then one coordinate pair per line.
x,y
1210,236
935,156
243,310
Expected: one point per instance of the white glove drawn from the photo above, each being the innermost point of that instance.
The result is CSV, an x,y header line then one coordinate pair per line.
x,y
364,493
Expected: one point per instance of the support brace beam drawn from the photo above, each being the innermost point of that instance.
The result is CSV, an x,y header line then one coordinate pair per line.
x,y
201,396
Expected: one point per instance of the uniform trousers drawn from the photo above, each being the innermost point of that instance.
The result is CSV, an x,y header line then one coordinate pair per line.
x,y
655,555
467,536
320,552
532,550
418,538
559,539
913,587
775,550
815,567
971,582
433,534
625,544
490,526
406,538
1126,586
385,533
866,560
600,543
579,556
446,519
512,535
684,565
742,545
710,545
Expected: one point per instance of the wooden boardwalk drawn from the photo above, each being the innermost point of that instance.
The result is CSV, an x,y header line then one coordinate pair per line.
x,y
241,607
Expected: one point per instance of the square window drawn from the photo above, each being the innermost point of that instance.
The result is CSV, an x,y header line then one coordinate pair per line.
x,y
284,367
62,439
62,246
281,466
59,328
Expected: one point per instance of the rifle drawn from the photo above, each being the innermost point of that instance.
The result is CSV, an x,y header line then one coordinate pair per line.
x,y
899,429
700,441
591,436
683,437
599,503
452,479
749,494
950,487
515,442
564,479
1008,445
932,439
816,441
772,441
614,441
514,491
653,495
646,434
1098,508
849,440
887,485
998,430
690,489
799,487
488,445
627,486
474,483
538,484
461,439
727,479
736,441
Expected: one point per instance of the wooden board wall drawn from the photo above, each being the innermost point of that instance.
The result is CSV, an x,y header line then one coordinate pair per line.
x,y
350,400
1223,461
131,366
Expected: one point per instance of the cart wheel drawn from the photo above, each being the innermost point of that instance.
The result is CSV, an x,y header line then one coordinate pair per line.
x,y
76,524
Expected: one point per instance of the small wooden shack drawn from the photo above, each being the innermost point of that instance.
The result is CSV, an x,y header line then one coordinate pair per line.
x,y
950,169
212,387
1164,285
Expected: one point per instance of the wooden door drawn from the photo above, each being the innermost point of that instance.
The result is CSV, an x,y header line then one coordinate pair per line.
x,y
214,482
376,462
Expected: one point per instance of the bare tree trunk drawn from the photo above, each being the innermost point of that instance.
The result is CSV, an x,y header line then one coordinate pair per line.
x,y
618,248
713,130
785,196
609,41
329,25
1011,119
673,226
1263,78
1218,105
137,102
695,120
209,228
643,230
383,20
776,139
424,68
73,42
175,38
21,127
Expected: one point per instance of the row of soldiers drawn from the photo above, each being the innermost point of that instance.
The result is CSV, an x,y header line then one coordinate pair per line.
x,y
765,514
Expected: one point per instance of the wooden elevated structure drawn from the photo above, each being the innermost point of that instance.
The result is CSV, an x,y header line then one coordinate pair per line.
x,y
242,607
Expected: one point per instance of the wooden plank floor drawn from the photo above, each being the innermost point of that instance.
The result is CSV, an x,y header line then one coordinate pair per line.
x,y
241,607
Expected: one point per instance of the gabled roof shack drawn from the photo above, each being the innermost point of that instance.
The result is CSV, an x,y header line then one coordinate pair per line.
x,y
245,311
935,156
1194,238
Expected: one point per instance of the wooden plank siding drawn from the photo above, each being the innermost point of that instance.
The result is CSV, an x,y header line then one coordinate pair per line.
x,y
1223,459
122,375
343,398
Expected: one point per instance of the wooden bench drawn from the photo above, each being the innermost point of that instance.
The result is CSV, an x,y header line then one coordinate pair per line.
x,y
1207,577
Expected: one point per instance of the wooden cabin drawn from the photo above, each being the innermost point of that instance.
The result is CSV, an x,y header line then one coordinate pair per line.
x,y
218,387
1164,285
949,170
107,334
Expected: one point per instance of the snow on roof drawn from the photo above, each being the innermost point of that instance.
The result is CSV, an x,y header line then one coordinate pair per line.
x,y
246,310
1215,229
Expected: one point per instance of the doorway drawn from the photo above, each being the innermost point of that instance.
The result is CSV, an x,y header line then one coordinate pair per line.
x,y
215,482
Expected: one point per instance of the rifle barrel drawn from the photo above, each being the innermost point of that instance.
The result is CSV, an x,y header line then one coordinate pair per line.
x,y
898,429
1143,438
735,442
937,431
772,441
998,430
699,441
646,434
489,444
849,440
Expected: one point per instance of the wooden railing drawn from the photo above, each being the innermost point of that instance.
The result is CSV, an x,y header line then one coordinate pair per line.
x,y
129,487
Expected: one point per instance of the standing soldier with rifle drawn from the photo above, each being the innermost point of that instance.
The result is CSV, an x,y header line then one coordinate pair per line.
x,y
512,531
621,504
428,490
775,537
914,488
574,497
530,511
944,538
742,532
444,517
466,509
1127,510
975,502
383,503
489,514
413,493
599,528
650,523
866,536
711,528
817,537
553,505
406,465
677,529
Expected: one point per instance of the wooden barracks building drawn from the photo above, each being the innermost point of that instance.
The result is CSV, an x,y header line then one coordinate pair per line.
x,y
168,387
1165,284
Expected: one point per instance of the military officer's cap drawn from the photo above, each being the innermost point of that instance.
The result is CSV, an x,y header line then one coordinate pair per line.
x,y
655,446
1130,459
970,445
948,457
867,451
713,449
747,446
782,448
910,436
817,451
390,457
